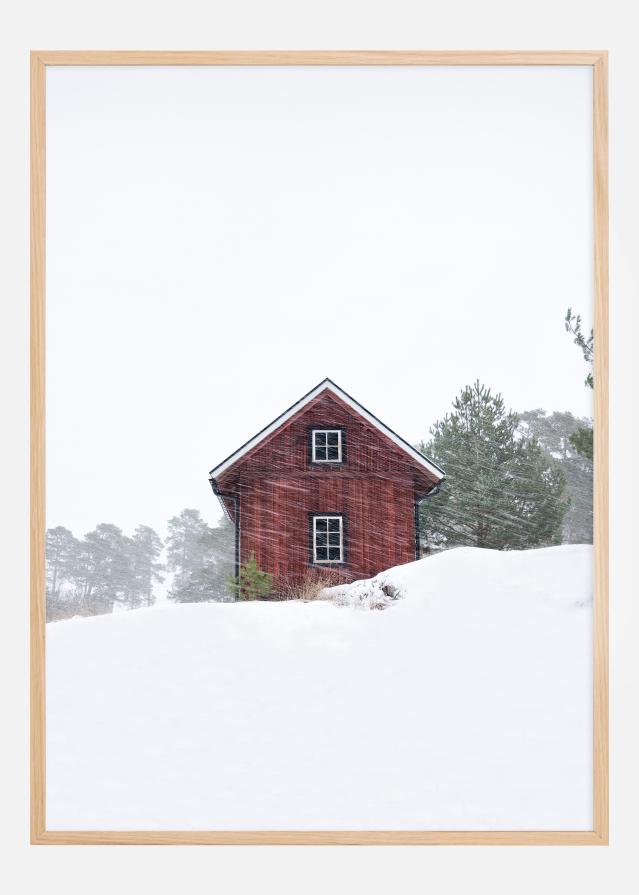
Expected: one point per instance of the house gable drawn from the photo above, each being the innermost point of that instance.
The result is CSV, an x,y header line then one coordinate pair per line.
x,y
327,406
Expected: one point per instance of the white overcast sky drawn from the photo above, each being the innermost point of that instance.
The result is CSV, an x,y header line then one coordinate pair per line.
x,y
221,239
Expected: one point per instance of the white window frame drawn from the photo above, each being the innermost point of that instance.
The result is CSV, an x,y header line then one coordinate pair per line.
x,y
328,544
327,432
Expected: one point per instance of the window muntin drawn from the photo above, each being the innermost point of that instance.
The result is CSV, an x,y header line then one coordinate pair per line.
x,y
327,445
328,539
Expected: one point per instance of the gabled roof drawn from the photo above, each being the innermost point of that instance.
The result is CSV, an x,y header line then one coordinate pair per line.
x,y
327,385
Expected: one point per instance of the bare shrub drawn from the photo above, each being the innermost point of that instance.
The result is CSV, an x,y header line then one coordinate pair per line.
x,y
312,585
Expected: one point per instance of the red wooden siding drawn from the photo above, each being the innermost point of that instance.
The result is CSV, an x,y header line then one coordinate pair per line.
x,y
278,488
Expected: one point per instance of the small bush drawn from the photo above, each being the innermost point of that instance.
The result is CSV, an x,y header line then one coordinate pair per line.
x,y
252,583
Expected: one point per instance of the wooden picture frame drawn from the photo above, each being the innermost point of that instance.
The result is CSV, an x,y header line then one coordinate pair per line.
x,y
597,62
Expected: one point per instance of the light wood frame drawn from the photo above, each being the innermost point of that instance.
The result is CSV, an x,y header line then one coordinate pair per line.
x,y
598,61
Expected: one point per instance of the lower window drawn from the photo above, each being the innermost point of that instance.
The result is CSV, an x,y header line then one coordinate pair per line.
x,y
328,539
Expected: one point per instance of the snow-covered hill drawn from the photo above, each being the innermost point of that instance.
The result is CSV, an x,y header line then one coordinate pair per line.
x,y
465,705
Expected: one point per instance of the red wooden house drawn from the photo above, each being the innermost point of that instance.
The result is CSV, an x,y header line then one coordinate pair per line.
x,y
326,485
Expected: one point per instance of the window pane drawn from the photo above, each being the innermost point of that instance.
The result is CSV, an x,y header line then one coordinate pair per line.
x,y
332,438
327,543
333,453
320,452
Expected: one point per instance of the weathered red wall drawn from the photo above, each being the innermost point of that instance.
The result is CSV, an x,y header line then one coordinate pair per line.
x,y
375,489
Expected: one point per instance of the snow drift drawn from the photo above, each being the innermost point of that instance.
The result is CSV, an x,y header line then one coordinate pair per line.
x,y
466,705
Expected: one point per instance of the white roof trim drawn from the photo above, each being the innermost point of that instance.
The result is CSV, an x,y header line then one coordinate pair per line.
x,y
330,386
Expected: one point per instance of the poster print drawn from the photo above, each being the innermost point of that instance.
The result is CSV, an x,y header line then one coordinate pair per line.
x,y
319,495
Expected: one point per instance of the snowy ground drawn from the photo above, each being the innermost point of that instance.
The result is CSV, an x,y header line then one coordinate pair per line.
x,y
465,705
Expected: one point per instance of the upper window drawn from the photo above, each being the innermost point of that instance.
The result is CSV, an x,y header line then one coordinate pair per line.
x,y
327,445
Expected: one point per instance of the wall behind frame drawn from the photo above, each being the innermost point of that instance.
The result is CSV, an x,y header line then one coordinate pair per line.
x,y
347,24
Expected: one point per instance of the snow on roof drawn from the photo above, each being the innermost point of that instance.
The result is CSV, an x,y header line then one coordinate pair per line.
x,y
330,386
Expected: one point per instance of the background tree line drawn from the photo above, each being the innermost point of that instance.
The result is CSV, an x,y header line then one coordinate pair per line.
x,y
107,570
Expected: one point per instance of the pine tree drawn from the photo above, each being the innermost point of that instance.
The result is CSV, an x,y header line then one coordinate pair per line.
x,y
62,552
104,569
572,322
252,583
200,558
582,439
61,558
502,491
145,550
555,433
